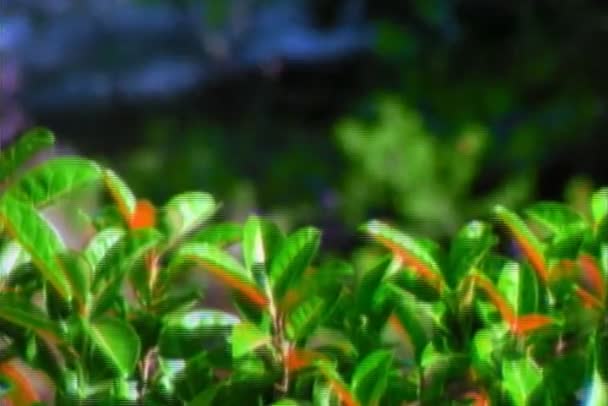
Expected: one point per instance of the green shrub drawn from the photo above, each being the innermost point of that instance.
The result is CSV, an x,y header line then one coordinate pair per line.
x,y
119,322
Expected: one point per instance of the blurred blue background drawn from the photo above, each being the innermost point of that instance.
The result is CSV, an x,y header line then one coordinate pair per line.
x,y
319,111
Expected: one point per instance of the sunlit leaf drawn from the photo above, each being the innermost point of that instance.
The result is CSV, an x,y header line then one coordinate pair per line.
x,y
11,256
599,211
99,246
23,149
24,224
518,287
53,179
185,212
224,267
411,253
520,379
246,338
121,194
556,217
305,318
117,341
468,248
292,258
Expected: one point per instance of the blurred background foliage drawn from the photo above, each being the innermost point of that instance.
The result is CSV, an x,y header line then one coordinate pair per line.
x,y
425,112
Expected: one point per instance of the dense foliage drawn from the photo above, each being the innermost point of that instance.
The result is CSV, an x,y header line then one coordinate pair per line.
x,y
122,319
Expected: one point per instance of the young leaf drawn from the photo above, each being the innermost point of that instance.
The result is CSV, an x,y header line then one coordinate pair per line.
x,y
468,248
519,287
246,338
224,267
53,179
292,258
526,241
185,212
297,359
411,253
370,378
117,341
522,325
260,240
305,318
520,379
121,194
23,149
558,218
33,233
101,244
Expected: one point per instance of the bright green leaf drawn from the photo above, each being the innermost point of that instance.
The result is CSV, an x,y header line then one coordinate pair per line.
x,y
101,244
23,149
468,248
520,378
117,341
246,338
292,258
518,285
121,193
558,218
219,234
53,179
186,211
37,238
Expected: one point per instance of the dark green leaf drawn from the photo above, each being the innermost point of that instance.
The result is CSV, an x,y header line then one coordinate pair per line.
x,y
21,312
370,378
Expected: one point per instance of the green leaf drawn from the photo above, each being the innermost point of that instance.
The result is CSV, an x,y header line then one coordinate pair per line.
x,y
33,233
15,309
54,179
415,320
292,259
224,267
527,242
101,244
117,341
558,218
598,392
520,379
12,255
219,234
370,379
305,318
409,251
468,248
261,238
185,212
246,338
23,149
79,274
518,285
184,334
599,205
121,193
